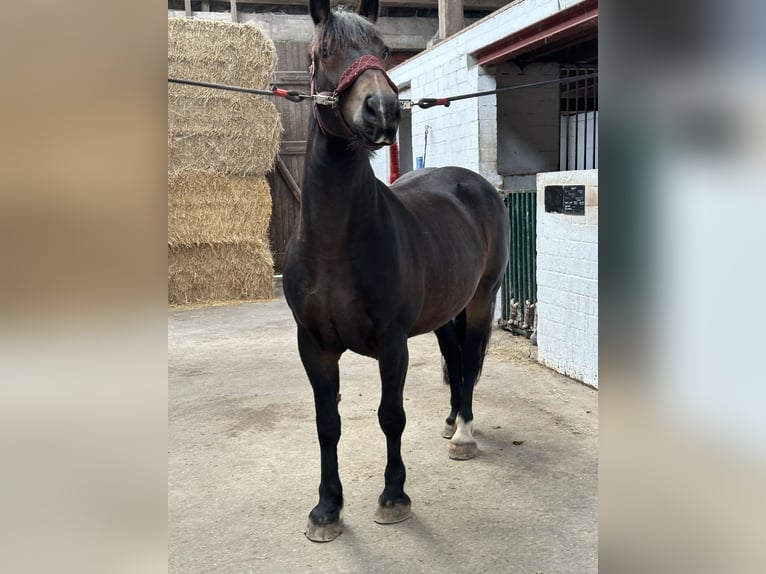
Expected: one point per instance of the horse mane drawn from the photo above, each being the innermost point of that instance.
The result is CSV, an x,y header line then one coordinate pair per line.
x,y
342,30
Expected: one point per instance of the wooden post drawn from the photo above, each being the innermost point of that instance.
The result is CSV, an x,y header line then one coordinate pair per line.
x,y
234,17
187,8
206,5
450,17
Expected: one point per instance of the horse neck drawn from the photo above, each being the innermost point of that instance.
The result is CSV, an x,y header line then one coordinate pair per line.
x,y
339,191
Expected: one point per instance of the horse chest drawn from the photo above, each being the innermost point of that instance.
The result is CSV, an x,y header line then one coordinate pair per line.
x,y
335,311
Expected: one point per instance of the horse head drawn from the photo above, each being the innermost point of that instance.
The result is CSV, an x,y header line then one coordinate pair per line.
x,y
347,55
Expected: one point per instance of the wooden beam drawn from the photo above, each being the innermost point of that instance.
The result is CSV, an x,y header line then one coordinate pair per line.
x,y
234,17
450,17
575,20
291,77
295,147
291,183
187,8
482,5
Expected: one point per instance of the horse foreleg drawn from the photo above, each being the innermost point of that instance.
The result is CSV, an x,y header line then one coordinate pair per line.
x,y
325,520
393,355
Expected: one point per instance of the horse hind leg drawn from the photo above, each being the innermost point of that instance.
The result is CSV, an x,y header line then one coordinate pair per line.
x,y
479,313
451,337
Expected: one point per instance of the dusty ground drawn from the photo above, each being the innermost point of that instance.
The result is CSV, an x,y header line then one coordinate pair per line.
x,y
243,459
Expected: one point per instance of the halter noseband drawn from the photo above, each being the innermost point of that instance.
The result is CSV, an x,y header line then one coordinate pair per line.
x,y
331,121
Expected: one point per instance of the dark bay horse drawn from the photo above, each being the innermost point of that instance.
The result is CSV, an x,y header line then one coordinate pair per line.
x,y
370,266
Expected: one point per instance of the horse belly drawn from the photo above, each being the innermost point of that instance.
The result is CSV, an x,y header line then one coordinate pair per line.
x,y
438,311
452,246
447,289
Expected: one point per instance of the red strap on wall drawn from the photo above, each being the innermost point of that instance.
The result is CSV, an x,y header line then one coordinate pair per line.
x,y
393,157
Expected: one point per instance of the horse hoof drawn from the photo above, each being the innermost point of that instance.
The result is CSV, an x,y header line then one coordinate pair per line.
x,y
462,451
449,430
323,532
392,514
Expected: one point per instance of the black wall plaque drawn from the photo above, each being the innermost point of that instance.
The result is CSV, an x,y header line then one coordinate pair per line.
x,y
567,199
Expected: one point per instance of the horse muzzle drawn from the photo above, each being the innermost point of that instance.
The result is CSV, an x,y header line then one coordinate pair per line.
x,y
378,117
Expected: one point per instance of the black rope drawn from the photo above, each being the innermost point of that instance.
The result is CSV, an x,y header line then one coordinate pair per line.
x,y
291,95
295,96
430,102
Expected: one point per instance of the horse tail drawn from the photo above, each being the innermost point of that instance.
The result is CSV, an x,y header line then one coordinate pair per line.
x,y
484,344
445,371
482,354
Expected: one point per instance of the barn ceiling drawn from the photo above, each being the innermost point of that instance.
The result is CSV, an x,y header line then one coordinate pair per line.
x,y
392,7
489,5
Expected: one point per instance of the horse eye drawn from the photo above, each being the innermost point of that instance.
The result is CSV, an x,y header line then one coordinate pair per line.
x,y
385,53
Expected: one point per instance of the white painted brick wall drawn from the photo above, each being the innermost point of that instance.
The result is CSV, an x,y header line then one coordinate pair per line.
x,y
448,69
567,280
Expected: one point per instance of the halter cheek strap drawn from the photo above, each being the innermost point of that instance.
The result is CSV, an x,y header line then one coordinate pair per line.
x,y
331,121
328,116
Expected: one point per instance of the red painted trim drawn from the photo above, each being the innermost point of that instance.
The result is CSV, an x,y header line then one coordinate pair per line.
x,y
561,25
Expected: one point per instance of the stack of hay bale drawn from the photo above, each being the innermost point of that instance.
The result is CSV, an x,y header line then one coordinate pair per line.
x,y
221,145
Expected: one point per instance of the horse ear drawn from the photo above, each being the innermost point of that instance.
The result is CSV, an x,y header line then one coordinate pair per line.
x,y
368,9
320,10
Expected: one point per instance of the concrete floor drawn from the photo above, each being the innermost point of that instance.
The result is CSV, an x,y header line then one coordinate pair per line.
x,y
243,458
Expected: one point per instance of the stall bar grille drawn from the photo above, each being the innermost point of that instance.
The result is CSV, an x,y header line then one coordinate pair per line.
x,y
578,118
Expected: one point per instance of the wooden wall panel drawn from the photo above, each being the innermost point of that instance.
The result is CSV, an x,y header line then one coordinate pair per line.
x,y
291,74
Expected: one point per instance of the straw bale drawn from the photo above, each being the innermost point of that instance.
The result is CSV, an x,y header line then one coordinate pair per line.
x,y
205,208
220,52
221,132
220,272
220,145
217,131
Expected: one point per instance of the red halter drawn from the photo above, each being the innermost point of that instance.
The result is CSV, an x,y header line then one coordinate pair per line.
x,y
332,123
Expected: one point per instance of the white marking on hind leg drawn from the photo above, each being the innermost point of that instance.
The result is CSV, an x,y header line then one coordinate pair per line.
x,y
462,445
463,432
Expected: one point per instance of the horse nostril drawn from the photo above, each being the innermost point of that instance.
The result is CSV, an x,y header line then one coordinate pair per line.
x,y
371,107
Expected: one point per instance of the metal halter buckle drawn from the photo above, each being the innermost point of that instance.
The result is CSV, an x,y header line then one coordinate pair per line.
x,y
325,99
